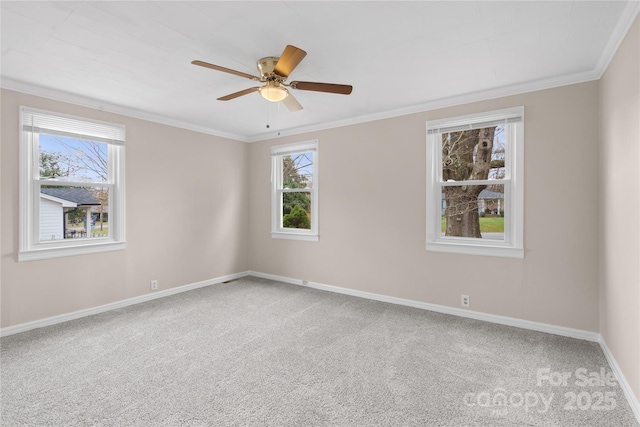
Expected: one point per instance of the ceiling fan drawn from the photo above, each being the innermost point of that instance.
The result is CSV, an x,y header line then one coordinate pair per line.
x,y
274,72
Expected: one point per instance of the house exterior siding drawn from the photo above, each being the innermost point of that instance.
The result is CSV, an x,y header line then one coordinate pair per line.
x,y
51,217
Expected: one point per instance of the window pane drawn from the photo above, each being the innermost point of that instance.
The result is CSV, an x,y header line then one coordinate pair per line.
x,y
475,211
297,170
296,210
73,212
68,159
477,154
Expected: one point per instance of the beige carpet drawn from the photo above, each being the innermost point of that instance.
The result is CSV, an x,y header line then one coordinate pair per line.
x,y
261,353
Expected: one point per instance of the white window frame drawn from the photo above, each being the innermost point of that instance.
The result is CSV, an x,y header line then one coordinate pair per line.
x,y
32,123
513,244
277,190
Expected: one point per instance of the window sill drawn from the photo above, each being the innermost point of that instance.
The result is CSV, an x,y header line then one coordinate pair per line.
x,y
476,249
63,251
295,236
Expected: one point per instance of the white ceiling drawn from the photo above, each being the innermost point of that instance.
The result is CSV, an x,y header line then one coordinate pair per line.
x,y
133,57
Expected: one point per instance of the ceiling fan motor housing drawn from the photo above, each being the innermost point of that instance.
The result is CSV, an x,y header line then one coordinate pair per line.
x,y
267,65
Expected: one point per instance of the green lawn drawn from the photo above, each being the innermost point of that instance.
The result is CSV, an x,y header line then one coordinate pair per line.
x,y
488,224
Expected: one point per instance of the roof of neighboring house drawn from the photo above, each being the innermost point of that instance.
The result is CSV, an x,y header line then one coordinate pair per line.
x,y
63,202
80,196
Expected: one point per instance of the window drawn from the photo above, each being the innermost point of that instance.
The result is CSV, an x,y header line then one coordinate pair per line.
x,y
71,185
475,184
294,195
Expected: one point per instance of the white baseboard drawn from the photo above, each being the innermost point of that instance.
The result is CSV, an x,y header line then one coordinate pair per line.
x,y
23,327
503,320
633,400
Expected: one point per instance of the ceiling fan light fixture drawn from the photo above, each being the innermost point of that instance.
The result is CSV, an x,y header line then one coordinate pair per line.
x,y
273,93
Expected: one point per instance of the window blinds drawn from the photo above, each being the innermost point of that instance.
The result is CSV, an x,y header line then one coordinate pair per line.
x,y
38,121
436,127
285,150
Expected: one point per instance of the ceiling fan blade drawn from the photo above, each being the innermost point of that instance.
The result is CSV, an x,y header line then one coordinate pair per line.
x,y
237,94
225,70
289,60
322,87
291,103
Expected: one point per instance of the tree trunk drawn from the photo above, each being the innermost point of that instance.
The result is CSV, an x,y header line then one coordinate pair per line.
x,y
466,156
462,215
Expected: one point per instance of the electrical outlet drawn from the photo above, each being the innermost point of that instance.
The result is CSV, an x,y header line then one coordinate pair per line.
x,y
465,301
154,285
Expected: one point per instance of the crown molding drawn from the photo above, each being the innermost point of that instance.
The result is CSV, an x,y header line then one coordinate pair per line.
x,y
499,92
419,108
627,18
96,104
